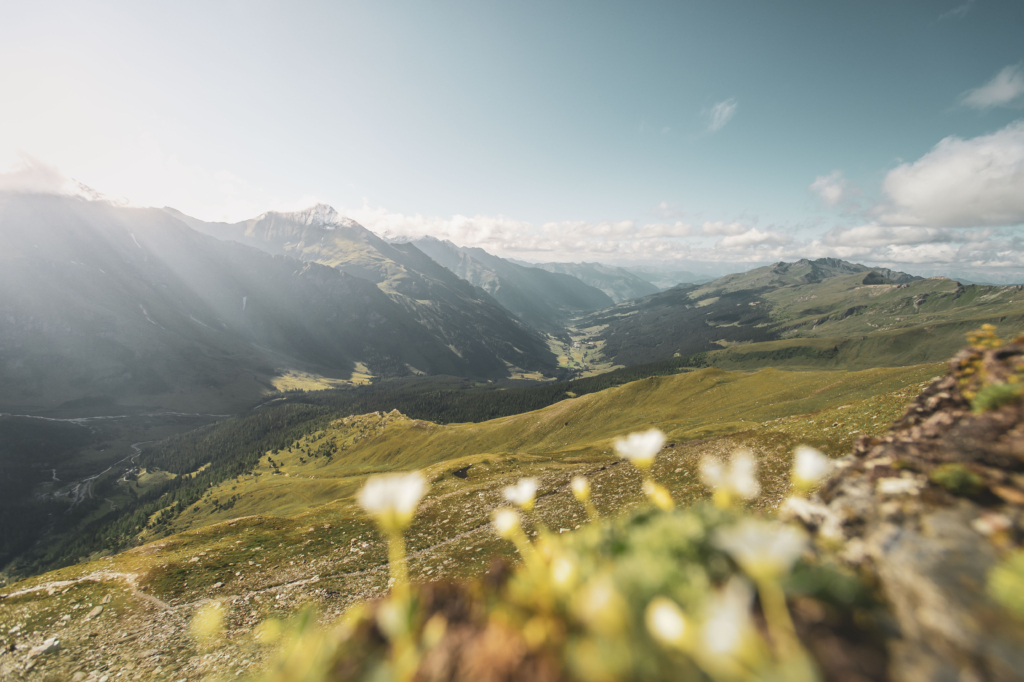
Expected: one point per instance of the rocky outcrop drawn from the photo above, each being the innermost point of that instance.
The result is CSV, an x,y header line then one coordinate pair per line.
x,y
927,512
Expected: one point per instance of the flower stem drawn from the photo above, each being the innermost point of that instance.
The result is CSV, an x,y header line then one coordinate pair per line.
x,y
783,633
397,565
658,495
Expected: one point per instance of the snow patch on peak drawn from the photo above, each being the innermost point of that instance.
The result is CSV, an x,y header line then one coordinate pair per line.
x,y
393,238
322,215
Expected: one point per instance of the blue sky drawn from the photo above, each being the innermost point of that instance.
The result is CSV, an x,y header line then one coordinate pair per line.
x,y
732,132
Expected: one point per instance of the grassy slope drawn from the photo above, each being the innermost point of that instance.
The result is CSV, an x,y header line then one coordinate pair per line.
x,y
775,318
842,323
300,535
690,406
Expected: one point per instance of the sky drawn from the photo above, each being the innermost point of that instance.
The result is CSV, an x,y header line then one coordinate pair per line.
x,y
663,133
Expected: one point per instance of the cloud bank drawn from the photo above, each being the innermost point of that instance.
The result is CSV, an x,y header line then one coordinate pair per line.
x,y
960,183
953,210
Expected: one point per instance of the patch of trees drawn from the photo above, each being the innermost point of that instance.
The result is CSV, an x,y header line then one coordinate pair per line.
x,y
232,448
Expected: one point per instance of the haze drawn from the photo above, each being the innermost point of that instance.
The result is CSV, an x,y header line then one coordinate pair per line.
x,y
724,134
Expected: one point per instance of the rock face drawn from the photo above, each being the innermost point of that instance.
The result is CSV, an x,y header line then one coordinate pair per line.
x,y
927,511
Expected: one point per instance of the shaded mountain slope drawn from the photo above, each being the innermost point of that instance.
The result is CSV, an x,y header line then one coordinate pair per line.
x,y
620,285
465,318
134,305
541,298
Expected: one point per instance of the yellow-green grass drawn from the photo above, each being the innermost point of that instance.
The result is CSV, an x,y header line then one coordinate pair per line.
x,y
298,535
698,404
587,362
297,380
895,347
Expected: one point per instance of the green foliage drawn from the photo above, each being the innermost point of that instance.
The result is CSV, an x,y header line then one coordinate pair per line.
x,y
957,479
1006,583
994,396
29,450
580,610
230,448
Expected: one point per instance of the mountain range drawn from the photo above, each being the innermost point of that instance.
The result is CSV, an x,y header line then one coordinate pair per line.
x,y
108,305
114,305
620,285
810,313
543,299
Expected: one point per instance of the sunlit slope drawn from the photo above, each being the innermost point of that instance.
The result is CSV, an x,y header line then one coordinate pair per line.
x,y
303,537
843,323
824,314
332,463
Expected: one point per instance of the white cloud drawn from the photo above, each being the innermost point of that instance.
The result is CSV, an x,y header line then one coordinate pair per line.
x,y
676,229
30,175
723,228
488,232
620,229
829,187
753,237
1005,88
721,113
961,183
885,235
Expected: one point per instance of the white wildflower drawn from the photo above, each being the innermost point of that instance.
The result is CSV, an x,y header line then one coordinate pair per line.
x,y
728,621
739,479
658,495
641,447
600,606
392,499
522,493
581,488
810,467
563,572
764,549
666,622
506,522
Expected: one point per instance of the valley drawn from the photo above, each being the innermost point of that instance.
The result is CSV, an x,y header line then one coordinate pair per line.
x,y
287,531
191,423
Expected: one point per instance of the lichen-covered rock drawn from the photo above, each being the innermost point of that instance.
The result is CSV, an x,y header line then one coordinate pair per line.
x,y
928,511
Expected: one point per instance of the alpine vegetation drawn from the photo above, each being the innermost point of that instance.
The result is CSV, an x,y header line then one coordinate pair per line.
x,y
657,594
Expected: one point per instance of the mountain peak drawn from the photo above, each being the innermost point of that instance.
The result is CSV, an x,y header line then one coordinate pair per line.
x,y
320,215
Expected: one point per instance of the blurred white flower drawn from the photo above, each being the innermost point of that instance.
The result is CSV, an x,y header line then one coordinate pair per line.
x,y
641,447
506,522
392,498
666,622
738,480
728,621
810,466
658,495
600,606
522,493
563,572
581,488
763,549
